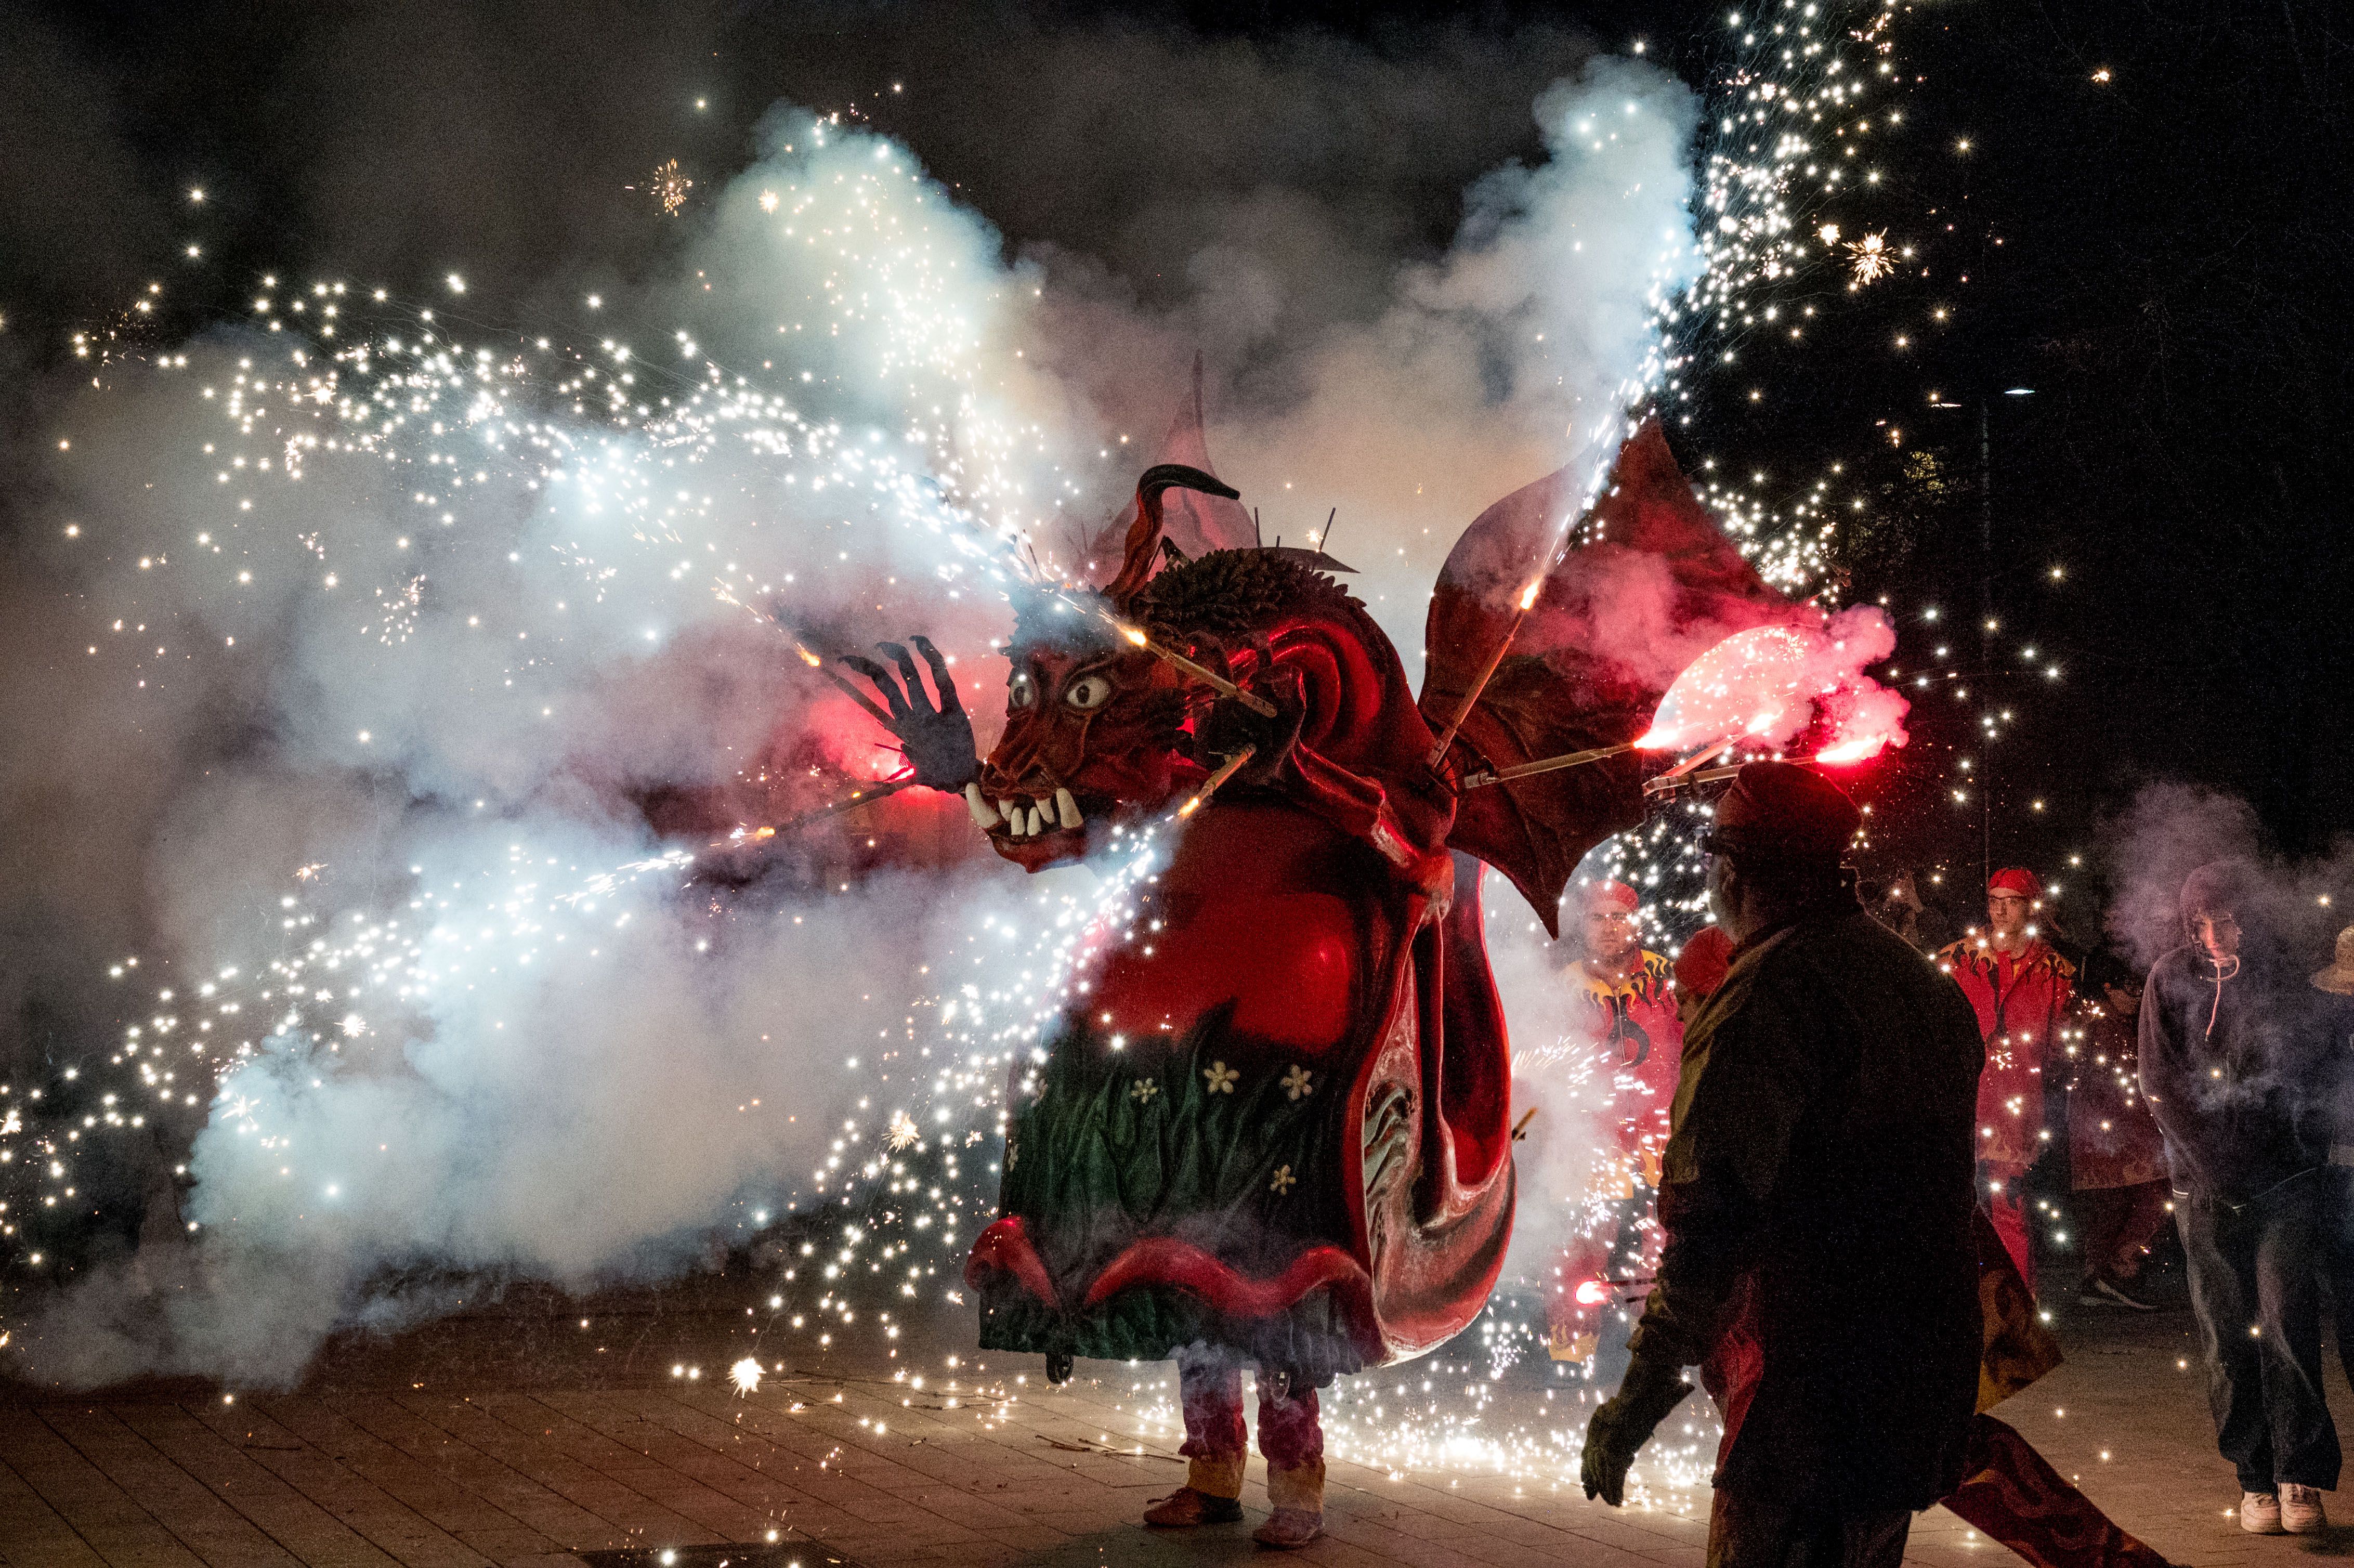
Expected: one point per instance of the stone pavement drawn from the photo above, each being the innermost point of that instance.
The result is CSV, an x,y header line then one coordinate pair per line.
x,y
584,1441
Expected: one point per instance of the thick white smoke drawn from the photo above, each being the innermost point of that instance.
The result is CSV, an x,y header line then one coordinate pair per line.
x,y
2171,828
385,725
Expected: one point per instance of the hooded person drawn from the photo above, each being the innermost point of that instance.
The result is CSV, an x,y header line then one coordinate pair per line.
x,y
2021,988
2232,1044
1624,1020
1816,1197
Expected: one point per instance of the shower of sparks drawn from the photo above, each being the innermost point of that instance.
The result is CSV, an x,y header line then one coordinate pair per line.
x,y
1873,259
1795,124
745,1376
461,417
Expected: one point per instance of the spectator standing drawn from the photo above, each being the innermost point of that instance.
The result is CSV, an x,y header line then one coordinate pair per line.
x,y
1624,1010
2231,1054
2021,987
2009,1493
2116,1157
2335,981
1818,1201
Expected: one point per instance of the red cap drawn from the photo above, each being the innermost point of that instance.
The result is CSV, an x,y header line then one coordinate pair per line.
x,y
1699,968
2015,879
1790,812
1614,895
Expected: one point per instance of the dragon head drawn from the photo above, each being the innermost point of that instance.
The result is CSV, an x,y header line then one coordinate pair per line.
x,y
1094,724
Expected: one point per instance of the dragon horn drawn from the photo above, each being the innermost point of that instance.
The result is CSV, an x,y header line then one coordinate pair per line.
x,y
1144,534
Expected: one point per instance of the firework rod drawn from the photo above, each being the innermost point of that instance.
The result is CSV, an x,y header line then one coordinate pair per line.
x,y
1210,786
1463,711
1211,678
850,802
1547,764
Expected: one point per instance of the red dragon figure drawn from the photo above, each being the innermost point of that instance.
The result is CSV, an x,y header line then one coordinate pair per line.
x,y
1276,1130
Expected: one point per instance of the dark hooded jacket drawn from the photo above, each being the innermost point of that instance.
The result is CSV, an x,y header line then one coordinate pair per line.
x,y
2234,1056
1817,1199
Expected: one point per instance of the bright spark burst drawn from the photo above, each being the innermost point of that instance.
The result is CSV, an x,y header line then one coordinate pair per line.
x,y
669,187
1873,259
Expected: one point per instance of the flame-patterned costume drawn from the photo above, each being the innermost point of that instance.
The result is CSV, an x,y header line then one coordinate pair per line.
x,y
1630,1024
2023,998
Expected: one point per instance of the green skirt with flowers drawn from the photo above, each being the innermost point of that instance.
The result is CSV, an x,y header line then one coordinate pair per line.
x,y
1227,1144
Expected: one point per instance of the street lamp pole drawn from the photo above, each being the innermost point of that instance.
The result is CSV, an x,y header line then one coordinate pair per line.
x,y
1986,629
1986,601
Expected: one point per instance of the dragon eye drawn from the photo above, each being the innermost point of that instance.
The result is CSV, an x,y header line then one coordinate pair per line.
x,y
1022,690
1088,692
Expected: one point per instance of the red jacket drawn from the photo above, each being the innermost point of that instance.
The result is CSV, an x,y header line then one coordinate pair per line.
x,y
2021,997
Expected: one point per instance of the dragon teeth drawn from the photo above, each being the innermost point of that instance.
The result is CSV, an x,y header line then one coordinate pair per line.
x,y
1037,821
1067,809
984,815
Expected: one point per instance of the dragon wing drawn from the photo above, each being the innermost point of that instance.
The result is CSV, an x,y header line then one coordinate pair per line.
x,y
1613,623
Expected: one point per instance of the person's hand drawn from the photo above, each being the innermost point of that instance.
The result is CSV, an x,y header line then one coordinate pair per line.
x,y
1625,1422
1610,1450
936,737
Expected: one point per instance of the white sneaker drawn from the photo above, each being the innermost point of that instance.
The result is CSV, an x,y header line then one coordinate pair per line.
x,y
2260,1513
2300,1509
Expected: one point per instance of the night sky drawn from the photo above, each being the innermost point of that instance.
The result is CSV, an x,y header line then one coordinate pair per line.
x,y
2160,256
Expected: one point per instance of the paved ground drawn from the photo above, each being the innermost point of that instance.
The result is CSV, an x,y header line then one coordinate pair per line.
x,y
535,1440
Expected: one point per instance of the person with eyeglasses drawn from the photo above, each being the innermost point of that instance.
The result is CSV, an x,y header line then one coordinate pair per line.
x,y
2022,988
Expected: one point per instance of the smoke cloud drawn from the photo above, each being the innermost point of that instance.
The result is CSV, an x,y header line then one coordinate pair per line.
x,y
357,694
2169,828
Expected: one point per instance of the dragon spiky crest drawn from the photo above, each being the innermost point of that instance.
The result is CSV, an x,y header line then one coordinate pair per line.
x,y
1225,595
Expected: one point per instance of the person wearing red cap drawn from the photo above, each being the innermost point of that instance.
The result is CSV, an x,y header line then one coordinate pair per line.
x,y
1624,1014
1818,1200
2022,988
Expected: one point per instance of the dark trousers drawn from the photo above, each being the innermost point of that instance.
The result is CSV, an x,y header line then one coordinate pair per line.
x,y
2341,1264
1759,1531
2255,1271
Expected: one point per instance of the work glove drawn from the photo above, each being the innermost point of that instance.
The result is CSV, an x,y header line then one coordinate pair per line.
x,y
1626,1422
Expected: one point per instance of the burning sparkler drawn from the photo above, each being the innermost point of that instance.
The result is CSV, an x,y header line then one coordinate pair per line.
x,y
1871,258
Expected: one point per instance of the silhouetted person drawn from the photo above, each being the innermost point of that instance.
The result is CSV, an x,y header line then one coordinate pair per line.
x,y
1817,1201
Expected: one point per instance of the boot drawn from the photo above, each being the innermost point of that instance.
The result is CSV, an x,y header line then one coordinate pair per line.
x,y
1212,1495
1297,1496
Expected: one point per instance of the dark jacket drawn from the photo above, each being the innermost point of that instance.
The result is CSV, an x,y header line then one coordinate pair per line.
x,y
2234,1066
1818,1189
